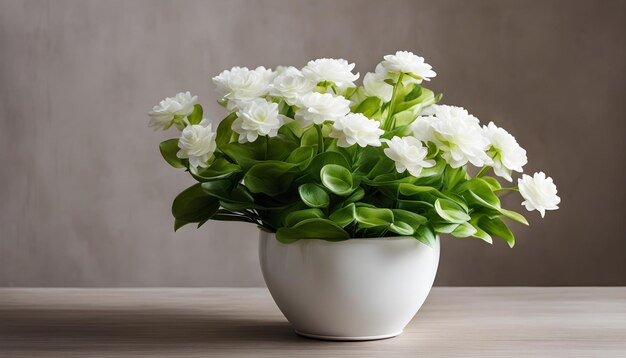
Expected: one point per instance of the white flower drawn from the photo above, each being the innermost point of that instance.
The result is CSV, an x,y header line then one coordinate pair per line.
x,y
197,143
327,69
406,62
290,84
409,154
539,193
374,85
241,84
317,108
257,118
355,128
163,114
456,133
507,155
446,111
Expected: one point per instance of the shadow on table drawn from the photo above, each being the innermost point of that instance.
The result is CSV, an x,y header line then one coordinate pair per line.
x,y
64,328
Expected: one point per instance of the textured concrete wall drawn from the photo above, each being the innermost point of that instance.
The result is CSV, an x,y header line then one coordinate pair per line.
x,y
85,196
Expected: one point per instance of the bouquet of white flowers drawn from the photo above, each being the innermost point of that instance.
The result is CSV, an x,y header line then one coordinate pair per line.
x,y
309,154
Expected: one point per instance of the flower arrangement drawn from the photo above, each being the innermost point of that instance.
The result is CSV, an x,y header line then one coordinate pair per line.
x,y
307,153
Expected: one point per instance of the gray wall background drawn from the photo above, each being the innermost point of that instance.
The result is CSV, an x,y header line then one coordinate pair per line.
x,y
85,197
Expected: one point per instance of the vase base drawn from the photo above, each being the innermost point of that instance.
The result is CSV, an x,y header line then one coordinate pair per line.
x,y
347,338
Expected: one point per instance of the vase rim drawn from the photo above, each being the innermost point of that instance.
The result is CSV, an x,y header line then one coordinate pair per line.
x,y
384,238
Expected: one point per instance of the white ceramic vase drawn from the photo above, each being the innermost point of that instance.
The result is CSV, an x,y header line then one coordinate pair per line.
x,y
358,289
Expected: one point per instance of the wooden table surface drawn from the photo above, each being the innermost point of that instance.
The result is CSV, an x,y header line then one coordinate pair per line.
x,y
244,322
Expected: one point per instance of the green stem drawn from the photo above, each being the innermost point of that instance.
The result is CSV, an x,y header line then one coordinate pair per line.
x,y
267,145
320,138
513,188
483,171
180,122
392,104
357,154
351,95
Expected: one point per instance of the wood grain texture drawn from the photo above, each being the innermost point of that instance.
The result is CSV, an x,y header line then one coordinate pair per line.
x,y
244,322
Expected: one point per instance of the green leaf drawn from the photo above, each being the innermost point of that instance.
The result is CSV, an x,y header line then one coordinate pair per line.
x,y
415,205
402,91
515,216
219,189
459,200
331,146
283,107
425,235
413,219
193,205
383,166
225,215
497,227
337,179
493,183
402,121
432,176
479,192
433,150
369,106
454,177
196,116
302,156
178,224
315,228
451,211
246,154
344,216
367,158
279,147
224,131
401,228
322,159
480,233
219,169
234,199
313,196
357,195
349,92
292,129
310,138
415,93
443,227
235,206
372,217
410,103
424,98
408,189
168,149
464,230
402,129
295,217
372,162
269,177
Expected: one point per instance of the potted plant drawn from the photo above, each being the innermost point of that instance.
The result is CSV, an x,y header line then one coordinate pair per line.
x,y
350,185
